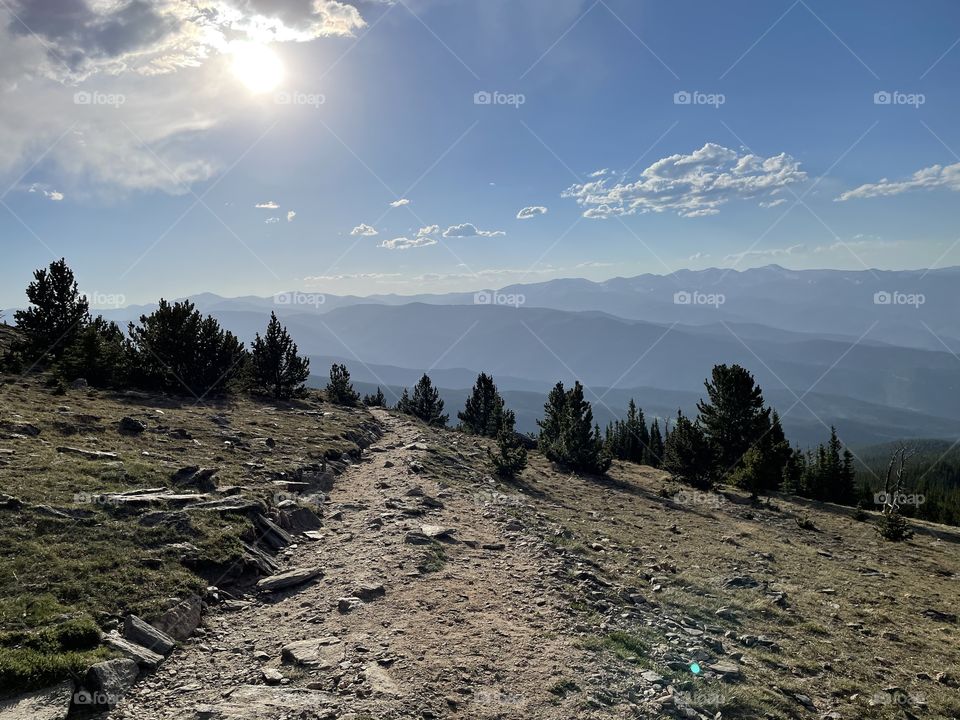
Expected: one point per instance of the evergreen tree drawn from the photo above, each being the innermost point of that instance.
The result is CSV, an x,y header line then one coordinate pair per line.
x,y
655,455
57,312
568,435
846,486
484,409
340,389
688,455
734,418
175,348
377,400
96,354
511,457
403,404
551,427
275,364
425,403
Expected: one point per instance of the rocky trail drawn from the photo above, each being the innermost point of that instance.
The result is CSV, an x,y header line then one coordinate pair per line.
x,y
425,603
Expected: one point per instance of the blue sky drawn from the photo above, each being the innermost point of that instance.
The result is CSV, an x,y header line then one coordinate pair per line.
x,y
148,181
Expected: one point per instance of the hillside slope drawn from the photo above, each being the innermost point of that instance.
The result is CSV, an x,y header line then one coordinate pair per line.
x,y
445,594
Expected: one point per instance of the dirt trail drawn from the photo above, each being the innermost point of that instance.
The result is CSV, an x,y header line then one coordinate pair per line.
x,y
474,632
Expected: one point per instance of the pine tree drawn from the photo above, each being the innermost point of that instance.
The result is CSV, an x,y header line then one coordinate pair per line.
x,y
688,455
484,409
275,364
511,457
551,427
735,418
425,403
377,400
97,354
175,349
403,404
655,455
57,312
339,389
568,435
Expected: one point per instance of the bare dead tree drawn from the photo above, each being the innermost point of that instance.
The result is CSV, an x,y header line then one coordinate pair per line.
x,y
893,482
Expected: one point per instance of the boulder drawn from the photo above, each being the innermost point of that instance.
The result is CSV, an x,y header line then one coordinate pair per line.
x,y
436,531
106,682
272,534
300,519
201,479
347,604
131,426
48,704
289,579
369,591
182,619
321,653
140,632
144,657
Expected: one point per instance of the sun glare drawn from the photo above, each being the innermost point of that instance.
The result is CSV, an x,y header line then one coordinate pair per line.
x,y
257,66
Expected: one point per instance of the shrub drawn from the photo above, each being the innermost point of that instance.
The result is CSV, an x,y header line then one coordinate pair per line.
x,y
893,526
511,457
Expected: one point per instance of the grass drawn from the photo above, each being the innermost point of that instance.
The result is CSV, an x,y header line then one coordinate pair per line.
x,y
100,563
434,558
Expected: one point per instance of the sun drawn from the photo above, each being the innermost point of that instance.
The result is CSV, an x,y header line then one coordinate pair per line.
x,y
257,66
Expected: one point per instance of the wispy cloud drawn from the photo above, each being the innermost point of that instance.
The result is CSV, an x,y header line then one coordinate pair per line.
x,y
405,243
400,203
531,212
469,230
268,205
798,249
364,230
693,185
272,220
291,214
935,176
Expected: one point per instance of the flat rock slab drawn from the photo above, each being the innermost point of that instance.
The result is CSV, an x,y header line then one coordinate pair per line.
x,y
322,653
436,531
47,704
107,681
89,454
142,656
727,669
257,702
380,680
182,619
289,579
143,634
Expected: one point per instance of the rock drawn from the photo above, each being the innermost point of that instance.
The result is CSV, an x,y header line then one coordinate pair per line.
x,y
493,546
140,632
180,621
805,701
380,680
415,491
79,384
272,676
9,502
257,702
743,581
144,657
726,613
271,533
289,579
727,669
300,520
939,616
131,426
347,604
369,591
321,653
23,429
106,682
48,704
88,454
199,478
652,676
416,538
436,531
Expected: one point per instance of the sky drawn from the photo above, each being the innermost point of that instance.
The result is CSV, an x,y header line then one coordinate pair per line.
x,y
240,147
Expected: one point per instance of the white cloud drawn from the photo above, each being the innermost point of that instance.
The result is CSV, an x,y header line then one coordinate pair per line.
x,y
314,279
53,195
798,249
272,220
291,214
404,243
599,173
269,205
400,203
365,230
693,185
773,203
531,212
120,95
468,230
46,191
428,231
935,176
